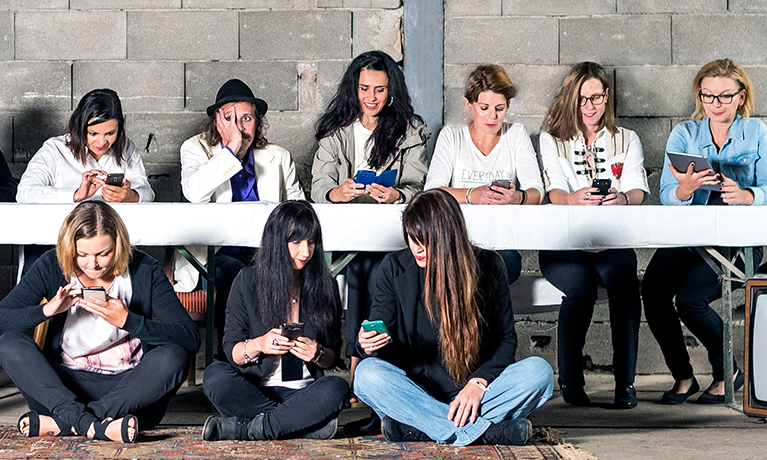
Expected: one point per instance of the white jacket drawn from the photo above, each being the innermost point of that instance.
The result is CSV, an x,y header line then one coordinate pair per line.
x,y
205,175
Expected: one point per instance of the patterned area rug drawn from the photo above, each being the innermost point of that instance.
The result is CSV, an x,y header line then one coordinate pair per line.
x,y
186,443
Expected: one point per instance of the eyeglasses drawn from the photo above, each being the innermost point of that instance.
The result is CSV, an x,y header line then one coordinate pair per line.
x,y
722,98
597,99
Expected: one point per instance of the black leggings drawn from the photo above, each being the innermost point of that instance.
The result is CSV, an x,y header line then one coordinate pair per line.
x,y
79,398
288,413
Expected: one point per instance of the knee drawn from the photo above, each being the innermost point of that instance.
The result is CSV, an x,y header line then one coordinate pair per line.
x,y
13,348
171,357
540,373
336,385
216,377
368,374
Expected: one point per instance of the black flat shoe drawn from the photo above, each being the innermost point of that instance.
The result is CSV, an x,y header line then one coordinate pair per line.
x,y
394,431
708,398
574,396
625,396
369,426
673,399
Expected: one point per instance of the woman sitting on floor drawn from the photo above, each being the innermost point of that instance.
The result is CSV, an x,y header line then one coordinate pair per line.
x,y
282,331
118,338
445,371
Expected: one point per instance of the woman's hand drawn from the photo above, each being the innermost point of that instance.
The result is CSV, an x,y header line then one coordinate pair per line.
x,y
382,194
226,124
465,406
614,198
65,297
372,341
585,197
90,183
691,181
274,343
493,194
122,194
305,348
733,194
112,310
346,192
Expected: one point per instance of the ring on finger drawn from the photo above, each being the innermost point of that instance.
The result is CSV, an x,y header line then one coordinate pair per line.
x,y
382,196
275,343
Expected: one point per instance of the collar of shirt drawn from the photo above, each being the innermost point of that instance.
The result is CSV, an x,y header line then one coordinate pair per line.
x,y
736,132
244,182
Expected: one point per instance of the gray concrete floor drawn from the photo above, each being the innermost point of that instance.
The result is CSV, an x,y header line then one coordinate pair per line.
x,y
651,431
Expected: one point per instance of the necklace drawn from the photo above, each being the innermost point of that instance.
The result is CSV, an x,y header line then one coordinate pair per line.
x,y
489,145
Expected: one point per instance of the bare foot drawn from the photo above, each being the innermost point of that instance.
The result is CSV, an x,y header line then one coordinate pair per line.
x,y
48,426
717,387
114,430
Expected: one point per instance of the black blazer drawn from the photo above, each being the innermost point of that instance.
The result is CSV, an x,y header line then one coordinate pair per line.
x,y
155,315
243,322
396,302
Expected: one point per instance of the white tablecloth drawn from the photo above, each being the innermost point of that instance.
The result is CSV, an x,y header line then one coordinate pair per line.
x,y
372,227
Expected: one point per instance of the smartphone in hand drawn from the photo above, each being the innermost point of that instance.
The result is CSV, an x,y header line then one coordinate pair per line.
x,y
377,326
115,179
95,292
293,330
603,185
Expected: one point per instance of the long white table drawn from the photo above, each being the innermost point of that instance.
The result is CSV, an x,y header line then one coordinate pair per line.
x,y
370,227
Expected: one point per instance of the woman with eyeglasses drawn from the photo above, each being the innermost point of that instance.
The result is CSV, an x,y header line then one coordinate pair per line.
x,y
736,146
589,161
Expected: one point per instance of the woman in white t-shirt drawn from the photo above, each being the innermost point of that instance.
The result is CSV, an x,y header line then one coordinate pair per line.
x,y
489,161
582,144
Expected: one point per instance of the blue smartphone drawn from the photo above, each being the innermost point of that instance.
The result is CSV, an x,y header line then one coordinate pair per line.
x,y
377,326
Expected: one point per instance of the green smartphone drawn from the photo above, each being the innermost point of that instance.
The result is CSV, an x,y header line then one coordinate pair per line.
x,y
377,326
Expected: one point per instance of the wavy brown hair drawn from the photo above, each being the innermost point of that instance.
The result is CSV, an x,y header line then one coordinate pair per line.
x,y
562,121
489,78
723,68
211,135
434,219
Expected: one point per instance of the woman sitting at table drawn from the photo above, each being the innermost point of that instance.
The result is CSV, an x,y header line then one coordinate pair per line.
x,y
445,371
75,166
489,161
282,331
369,125
118,339
582,145
736,147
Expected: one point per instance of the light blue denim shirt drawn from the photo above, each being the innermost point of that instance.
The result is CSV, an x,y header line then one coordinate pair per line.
x,y
743,157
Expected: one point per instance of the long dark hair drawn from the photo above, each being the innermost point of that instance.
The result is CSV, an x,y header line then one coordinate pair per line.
x,y
434,219
394,118
294,220
99,105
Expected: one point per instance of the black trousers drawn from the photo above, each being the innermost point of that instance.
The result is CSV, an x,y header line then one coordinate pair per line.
x,y
577,274
288,413
80,398
361,281
682,273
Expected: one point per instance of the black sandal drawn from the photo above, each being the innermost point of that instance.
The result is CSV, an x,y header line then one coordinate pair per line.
x,y
65,429
100,429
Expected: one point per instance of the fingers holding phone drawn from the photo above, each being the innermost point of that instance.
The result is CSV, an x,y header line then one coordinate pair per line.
x,y
373,336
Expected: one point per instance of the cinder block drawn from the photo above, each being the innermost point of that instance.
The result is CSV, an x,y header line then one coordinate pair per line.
x,y
557,7
122,4
303,35
653,133
70,35
294,131
158,136
645,254
455,8
357,3
142,85
175,35
672,6
390,4
758,76
35,85
6,36
747,6
6,137
378,30
654,91
649,358
330,3
537,339
616,40
165,180
695,44
258,4
274,82
33,127
517,40
34,4
329,74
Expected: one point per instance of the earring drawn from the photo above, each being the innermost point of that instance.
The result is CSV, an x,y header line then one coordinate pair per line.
x,y
391,101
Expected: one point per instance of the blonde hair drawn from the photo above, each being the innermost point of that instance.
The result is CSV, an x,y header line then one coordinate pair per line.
x,y
489,78
87,220
562,121
723,68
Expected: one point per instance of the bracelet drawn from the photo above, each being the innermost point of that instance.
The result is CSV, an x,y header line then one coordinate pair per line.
x,y
468,195
626,197
479,384
248,359
320,355
524,197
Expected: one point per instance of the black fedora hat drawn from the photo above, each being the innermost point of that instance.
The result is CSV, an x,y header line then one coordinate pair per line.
x,y
237,91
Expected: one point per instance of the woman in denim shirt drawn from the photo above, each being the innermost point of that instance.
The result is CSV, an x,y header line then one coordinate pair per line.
x,y
721,131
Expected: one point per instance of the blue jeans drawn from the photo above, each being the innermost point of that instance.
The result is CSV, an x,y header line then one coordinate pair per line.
x,y
521,388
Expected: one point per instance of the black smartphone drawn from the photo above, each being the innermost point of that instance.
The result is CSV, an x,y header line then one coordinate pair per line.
x,y
293,330
603,185
115,179
95,292
502,183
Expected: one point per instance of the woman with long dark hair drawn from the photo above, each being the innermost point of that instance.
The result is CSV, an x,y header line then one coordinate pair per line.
x,y
369,125
446,370
118,338
282,331
581,148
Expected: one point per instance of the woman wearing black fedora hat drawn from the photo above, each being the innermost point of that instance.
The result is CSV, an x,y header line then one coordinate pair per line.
x,y
230,161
